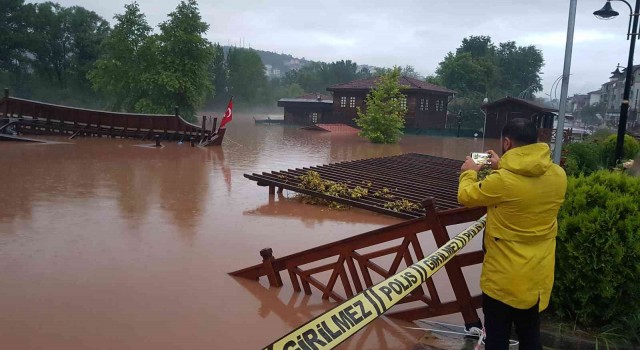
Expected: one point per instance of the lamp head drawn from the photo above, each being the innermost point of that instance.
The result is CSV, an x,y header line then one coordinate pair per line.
x,y
606,12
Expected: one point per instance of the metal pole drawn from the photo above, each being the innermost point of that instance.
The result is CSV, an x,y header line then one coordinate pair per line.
x,y
565,82
484,128
624,107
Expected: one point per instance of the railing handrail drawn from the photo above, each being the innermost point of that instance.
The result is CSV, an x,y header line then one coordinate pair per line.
x,y
19,101
363,240
341,322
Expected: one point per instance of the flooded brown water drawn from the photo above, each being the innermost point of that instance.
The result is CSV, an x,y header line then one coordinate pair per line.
x,y
108,245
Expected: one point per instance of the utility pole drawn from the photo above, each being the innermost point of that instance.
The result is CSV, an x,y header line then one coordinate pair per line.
x,y
557,151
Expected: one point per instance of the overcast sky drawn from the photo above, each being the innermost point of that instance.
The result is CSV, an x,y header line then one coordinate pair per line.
x,y
404,32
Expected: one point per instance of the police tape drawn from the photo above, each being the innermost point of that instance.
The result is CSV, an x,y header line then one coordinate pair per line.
x,y
336,325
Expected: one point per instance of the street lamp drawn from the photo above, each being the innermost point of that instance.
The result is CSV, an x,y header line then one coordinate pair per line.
x,y
607,12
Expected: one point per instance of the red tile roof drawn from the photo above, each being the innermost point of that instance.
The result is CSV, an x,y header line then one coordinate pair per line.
x,y
407,82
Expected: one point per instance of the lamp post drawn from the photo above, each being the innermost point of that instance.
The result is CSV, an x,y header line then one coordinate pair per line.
x,y
566,72
607,12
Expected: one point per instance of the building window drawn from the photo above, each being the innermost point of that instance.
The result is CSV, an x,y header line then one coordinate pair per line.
x,y
439,105
424,104
352,102
314,118
403,102
343,101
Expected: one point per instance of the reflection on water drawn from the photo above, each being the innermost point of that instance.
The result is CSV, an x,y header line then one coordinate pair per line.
x,y
106,245
297,308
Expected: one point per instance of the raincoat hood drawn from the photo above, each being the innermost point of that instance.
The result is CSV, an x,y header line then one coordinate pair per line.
x,y
531,160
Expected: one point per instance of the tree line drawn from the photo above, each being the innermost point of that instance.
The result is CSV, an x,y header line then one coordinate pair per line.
x,y
480,69
47,50
71,55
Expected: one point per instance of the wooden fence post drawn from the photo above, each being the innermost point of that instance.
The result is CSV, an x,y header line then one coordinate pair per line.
x,y
204,128
267,261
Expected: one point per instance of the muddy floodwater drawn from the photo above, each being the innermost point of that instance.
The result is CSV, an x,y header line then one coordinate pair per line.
x,y
108,245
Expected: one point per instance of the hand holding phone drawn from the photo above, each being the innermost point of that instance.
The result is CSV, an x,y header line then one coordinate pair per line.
x,y
494,159
480,158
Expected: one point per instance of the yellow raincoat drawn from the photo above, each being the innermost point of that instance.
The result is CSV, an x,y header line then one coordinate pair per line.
x,y
522,198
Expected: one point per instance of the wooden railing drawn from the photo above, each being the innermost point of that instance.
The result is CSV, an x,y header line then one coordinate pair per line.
x,y
33,117
354,268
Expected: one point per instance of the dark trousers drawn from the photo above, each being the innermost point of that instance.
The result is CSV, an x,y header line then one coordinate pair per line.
x,y
498,318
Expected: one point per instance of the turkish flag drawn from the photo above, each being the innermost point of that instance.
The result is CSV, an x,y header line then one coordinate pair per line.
x,y
228,114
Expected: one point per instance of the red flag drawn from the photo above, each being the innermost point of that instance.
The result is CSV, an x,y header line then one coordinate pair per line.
x,y
228,114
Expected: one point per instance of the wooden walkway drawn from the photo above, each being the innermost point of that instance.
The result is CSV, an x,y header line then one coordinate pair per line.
x,y
412,177
39,118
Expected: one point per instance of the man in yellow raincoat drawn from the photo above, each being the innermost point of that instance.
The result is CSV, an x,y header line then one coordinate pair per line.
x,y
522,194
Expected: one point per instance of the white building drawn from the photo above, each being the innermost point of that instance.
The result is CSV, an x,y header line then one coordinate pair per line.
x,y
611,94
594,97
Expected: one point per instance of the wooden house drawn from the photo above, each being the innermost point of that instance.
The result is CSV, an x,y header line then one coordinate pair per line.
x,y
499,112
308,109
426,103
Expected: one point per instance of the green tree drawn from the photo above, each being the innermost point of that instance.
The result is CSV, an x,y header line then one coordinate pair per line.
x,y
407,71
66,43
519,68
283,91
126,55
154,73
316,76
478,46
466,74
181,77
479,69
87,31
247,77
14,43
383,120
219,77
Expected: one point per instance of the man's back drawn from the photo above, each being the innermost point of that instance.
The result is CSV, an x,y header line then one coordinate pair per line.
x,y
522,199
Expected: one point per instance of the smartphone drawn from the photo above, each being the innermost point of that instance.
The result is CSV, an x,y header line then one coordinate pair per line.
x,y
480,158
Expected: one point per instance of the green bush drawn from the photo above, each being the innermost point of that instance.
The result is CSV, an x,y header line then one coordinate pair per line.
x,y
582,158
598,250
600,135
629,151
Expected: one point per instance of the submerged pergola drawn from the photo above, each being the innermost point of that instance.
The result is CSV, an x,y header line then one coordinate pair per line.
x,y
412,177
